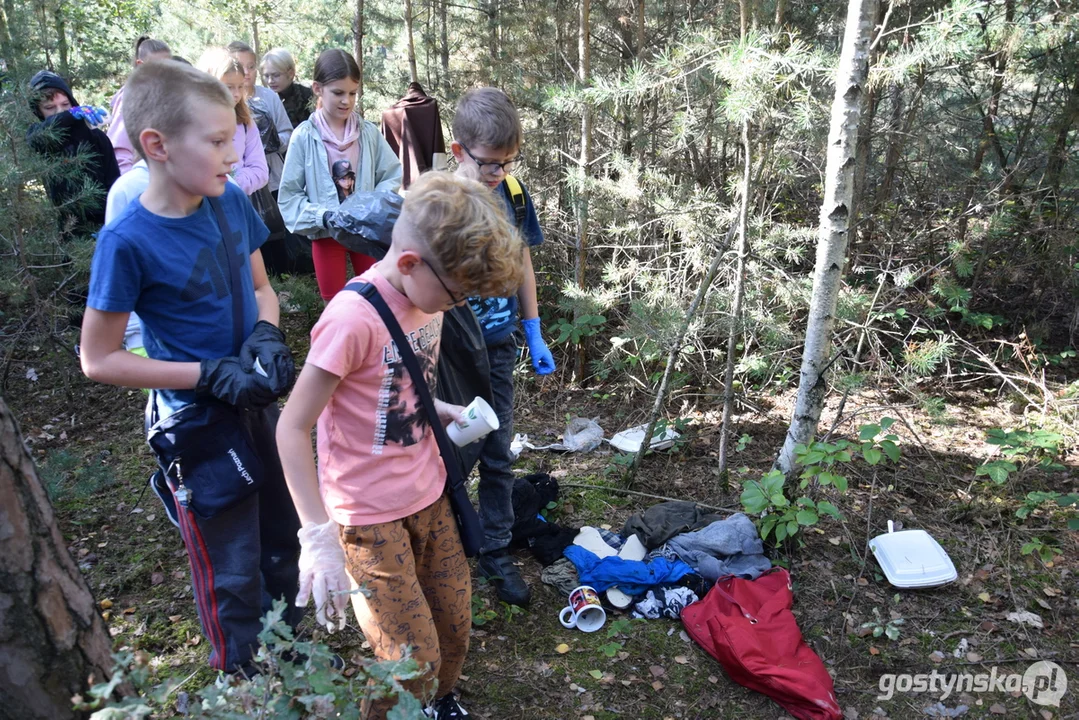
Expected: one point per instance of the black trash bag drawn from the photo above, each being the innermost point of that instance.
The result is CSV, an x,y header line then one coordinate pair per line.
x,y
464,372
274,253
271,141
364,222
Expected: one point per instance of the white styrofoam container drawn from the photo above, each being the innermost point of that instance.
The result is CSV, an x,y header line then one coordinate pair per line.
x,y
630,441
912,558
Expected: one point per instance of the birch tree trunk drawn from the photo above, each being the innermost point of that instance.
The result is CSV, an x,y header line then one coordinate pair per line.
x,y
836,221
52,636
584,50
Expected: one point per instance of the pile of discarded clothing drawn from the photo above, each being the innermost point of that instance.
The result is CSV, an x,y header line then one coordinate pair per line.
x,y
665,558
676,561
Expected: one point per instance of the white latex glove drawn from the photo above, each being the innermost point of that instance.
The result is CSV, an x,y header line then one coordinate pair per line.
x,y
322,572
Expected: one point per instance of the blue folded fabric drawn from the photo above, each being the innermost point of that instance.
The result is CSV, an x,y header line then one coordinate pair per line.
x,y
632,577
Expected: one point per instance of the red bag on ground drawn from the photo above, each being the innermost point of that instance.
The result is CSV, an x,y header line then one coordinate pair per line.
x,y
747,625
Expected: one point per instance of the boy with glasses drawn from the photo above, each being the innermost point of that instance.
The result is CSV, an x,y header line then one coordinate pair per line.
x,y
375,507
487,141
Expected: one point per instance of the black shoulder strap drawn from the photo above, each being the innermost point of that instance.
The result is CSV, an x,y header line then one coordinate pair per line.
x,y
235,263
419,382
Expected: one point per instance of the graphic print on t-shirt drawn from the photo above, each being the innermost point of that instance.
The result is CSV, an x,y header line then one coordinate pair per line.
x,y
493,313
400,417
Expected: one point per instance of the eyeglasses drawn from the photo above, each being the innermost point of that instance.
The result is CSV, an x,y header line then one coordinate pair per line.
x,y
490,168
438,277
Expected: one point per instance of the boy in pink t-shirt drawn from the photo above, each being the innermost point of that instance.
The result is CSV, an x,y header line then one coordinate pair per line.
x,y
375,510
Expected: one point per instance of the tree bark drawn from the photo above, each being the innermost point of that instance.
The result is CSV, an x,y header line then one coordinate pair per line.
x,y
414,76
998,62
584,51
739,294
357,50
53,638
1059,154
7,44
61,41
898,133
836,221
781,11
255,30
444,47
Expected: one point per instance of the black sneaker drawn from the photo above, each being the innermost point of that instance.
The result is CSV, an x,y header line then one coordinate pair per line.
x,y
446,708
498,567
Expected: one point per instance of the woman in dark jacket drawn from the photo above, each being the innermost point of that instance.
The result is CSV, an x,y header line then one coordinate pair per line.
x,y
279,74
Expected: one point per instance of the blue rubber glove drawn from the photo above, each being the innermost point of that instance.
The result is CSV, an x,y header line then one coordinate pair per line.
x,y
542,360
95,117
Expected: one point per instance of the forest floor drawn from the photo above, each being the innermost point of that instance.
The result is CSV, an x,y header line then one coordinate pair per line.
x,y
87,440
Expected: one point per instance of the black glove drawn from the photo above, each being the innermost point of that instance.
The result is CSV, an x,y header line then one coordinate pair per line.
x,y
267,344
225,380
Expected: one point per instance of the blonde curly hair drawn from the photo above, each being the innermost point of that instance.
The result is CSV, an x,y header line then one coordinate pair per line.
x,y
468,232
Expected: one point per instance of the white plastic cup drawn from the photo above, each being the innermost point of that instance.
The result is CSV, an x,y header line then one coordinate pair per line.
x,y
584,611
478,420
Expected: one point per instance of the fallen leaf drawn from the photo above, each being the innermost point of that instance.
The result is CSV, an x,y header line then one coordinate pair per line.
x,y
1043,604
713,679
936,656
1030,652
862,581
157,578
973,657
657,671
562,649
1046,715
129,611
998,709
984,597
835,540
981,575
850,713
179,575
597,674
105,604
1050,591
175,618
194,640
873,650
657,685
681,659
349,672
106,615
31,374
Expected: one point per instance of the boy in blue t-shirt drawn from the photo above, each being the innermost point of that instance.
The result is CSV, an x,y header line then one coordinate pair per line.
x,y
165,257
486,141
